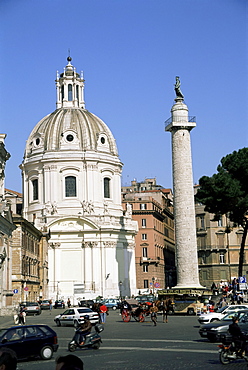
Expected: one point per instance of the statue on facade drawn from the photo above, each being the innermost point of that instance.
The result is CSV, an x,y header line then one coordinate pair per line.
x,y
178,91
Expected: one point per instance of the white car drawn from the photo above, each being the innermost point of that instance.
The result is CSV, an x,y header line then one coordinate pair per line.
x,y
73,316
206,318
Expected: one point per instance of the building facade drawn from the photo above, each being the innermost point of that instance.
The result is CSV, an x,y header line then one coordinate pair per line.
x,y
155,244
6,229
218,244
71,186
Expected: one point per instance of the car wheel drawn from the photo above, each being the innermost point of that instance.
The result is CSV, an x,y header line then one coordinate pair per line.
x,y
191,311
58,323
114,308
46,353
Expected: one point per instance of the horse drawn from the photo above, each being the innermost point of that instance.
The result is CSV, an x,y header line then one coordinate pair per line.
x,y
165,305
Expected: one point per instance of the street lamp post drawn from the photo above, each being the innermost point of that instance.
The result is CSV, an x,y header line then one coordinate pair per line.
x,y
120,284
153,279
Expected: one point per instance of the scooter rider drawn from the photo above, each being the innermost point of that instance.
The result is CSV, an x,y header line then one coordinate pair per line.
x,y
84,328
238,336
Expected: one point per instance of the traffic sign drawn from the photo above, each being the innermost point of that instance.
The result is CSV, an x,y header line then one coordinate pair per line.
x,y
15,291
26,288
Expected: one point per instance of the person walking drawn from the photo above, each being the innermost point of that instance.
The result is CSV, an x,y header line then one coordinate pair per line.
x,y
50,305
22,316
68,303
154,310
103,313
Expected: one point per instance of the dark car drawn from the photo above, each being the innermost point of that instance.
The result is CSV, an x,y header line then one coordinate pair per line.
x,y
31,308
45,304
30,341
59,304
86,303
215,330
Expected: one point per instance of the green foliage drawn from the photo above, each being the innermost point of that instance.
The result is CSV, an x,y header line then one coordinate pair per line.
x,y
227,191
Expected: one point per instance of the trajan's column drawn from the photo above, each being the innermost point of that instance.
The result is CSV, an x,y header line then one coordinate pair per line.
x,y
180,125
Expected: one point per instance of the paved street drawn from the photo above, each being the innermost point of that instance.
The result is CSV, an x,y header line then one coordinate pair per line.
x,y
175,345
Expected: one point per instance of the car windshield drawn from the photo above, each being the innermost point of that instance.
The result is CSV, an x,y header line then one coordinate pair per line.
x,y
221,309
230,315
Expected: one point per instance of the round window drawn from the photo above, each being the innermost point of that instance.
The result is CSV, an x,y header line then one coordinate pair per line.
x,y
37,141
69,137
103,140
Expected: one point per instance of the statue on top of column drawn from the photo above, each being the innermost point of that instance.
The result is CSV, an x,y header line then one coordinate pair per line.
x,y
178,91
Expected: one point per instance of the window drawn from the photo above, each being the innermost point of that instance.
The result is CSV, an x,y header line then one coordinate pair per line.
x,y
145,268
77,92
106,187
62,92
144,236
70,186
143,206
146,284
220,224
69,92
222,258
144,252
143,222
35,189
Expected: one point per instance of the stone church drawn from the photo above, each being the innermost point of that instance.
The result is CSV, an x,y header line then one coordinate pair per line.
x,y
72,187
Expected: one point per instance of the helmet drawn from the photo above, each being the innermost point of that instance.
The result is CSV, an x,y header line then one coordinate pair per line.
x,y
86,317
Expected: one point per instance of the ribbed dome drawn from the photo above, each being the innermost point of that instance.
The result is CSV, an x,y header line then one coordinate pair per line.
x,y
71,129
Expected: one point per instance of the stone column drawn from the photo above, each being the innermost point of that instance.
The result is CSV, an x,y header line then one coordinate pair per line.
x,y
184,208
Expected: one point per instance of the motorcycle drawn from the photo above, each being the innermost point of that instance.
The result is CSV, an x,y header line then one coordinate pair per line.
x,y
228,352
92,340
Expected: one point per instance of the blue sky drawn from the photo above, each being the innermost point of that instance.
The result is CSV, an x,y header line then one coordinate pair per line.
x,y
130,52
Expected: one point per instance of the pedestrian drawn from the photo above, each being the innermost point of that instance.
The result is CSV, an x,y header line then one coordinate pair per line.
x,y
21,317
50,305
103,313
69,362
68,303
8,359
153,311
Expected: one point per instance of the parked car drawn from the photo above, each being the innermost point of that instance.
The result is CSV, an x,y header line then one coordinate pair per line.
x,y
86,303
215,330
59,304
30,341
220,313
31,308
73,316
45,304
112,303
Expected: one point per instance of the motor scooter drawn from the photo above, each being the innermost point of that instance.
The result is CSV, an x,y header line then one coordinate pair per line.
x,y
92,340
228,352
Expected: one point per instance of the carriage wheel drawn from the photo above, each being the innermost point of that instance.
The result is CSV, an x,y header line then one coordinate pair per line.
x,y
126,316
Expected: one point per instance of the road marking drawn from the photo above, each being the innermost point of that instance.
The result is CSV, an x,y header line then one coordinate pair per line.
x,y
154,349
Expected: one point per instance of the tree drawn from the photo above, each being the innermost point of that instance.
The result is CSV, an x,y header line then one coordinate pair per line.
x,y
226,193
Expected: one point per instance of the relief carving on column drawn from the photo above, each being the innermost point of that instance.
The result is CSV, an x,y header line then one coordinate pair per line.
x,y
54,245
109,244
88,207
89,244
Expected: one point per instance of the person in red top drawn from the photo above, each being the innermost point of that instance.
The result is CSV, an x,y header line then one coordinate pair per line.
x,y
103,312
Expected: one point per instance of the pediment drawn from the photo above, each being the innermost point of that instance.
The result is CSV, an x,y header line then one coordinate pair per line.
x,y
72,224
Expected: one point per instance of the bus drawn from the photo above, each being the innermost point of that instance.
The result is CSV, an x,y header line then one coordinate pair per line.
x,y
187,301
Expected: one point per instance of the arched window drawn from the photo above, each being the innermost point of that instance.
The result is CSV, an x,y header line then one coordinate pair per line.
x,y
106,187
70,92
77,92
70,186
35,189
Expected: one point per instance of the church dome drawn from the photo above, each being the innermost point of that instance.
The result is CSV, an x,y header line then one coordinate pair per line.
x,y
70,127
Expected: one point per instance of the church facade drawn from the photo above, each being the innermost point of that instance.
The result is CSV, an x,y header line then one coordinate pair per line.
x,y
72,186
